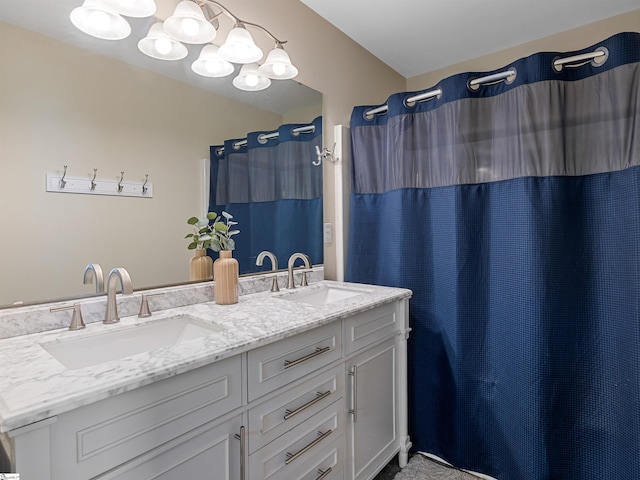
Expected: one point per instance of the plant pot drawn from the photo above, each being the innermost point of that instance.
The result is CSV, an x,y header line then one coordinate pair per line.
x,y
200,266
225,276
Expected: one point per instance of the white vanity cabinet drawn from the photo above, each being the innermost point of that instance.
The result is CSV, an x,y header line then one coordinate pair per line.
x,y
328,403
375,343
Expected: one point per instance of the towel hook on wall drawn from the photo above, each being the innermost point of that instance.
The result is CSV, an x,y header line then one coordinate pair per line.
x,y
144,185
63,182
120,186
325,153
93,180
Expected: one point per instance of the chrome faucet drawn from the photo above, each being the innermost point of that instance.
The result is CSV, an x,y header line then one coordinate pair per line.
x,y
93,272
120,273
274,267
307,265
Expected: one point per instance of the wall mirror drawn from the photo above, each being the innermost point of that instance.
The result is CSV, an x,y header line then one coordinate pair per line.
x,y
105,109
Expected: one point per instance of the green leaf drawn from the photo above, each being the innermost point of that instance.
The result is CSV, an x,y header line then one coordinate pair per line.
x,y
192,246
212,215
192,220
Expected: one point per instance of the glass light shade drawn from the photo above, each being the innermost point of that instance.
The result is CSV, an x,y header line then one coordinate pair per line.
x,y
278,65
158,44
250,79
97,19
211,64
240,47
133,8
188,24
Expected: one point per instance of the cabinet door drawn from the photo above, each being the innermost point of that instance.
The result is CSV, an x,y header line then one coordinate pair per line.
x,y
373,428
97,437
211,451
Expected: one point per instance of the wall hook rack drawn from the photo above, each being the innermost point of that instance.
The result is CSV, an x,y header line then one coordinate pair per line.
x,y
324,154
91,185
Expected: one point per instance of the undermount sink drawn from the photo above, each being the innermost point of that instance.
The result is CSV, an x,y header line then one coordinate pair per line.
x,y
322,294
96,349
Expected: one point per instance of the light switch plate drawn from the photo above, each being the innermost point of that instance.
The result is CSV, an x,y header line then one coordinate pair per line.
x,y
326,232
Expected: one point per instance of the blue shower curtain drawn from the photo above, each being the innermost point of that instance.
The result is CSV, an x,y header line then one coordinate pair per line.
x,y
273,190
513,213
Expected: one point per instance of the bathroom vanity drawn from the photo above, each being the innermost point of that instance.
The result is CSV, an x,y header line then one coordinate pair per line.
x,y
308,383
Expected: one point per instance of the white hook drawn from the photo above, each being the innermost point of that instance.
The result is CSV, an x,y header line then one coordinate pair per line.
x,y
325,153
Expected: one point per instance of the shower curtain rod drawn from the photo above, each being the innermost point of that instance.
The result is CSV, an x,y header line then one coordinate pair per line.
x,y
267,136
408,102
496,77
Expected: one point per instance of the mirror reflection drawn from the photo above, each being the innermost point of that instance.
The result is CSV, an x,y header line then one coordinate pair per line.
x,y
63,105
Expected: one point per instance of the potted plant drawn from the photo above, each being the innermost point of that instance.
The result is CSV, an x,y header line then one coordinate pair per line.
x,y
214,232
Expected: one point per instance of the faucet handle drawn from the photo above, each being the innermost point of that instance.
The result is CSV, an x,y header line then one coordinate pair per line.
x,y
145,311
274,284
77,323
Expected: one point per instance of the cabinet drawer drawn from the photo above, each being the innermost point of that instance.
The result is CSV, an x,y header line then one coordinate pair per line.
x,y
283,362
210,448
368,327
93,439
298,453
328,464
279,414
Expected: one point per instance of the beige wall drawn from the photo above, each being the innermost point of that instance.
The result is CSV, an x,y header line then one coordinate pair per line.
x,y
48,113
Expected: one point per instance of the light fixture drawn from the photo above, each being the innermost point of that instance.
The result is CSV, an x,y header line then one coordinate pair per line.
x,y
158,44
99,20
278,65
133,8
240,47
250,79
211,64
189,25
192,22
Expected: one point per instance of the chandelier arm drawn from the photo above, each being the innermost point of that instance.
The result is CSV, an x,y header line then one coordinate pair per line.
x,y
236,19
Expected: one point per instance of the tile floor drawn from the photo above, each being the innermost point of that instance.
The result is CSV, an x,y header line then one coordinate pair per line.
x,y
389,471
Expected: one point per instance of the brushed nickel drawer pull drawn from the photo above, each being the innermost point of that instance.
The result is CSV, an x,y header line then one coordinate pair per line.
x,y
292,456
354,394
242,437
293,363
323,474
319,396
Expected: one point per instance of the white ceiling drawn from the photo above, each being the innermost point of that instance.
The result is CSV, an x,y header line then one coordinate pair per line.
x,y
419,36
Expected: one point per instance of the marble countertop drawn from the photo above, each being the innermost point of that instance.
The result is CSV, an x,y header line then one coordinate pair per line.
x,y
35,386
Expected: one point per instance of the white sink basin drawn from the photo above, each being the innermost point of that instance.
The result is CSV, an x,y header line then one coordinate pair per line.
x,y
322,295
93,350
